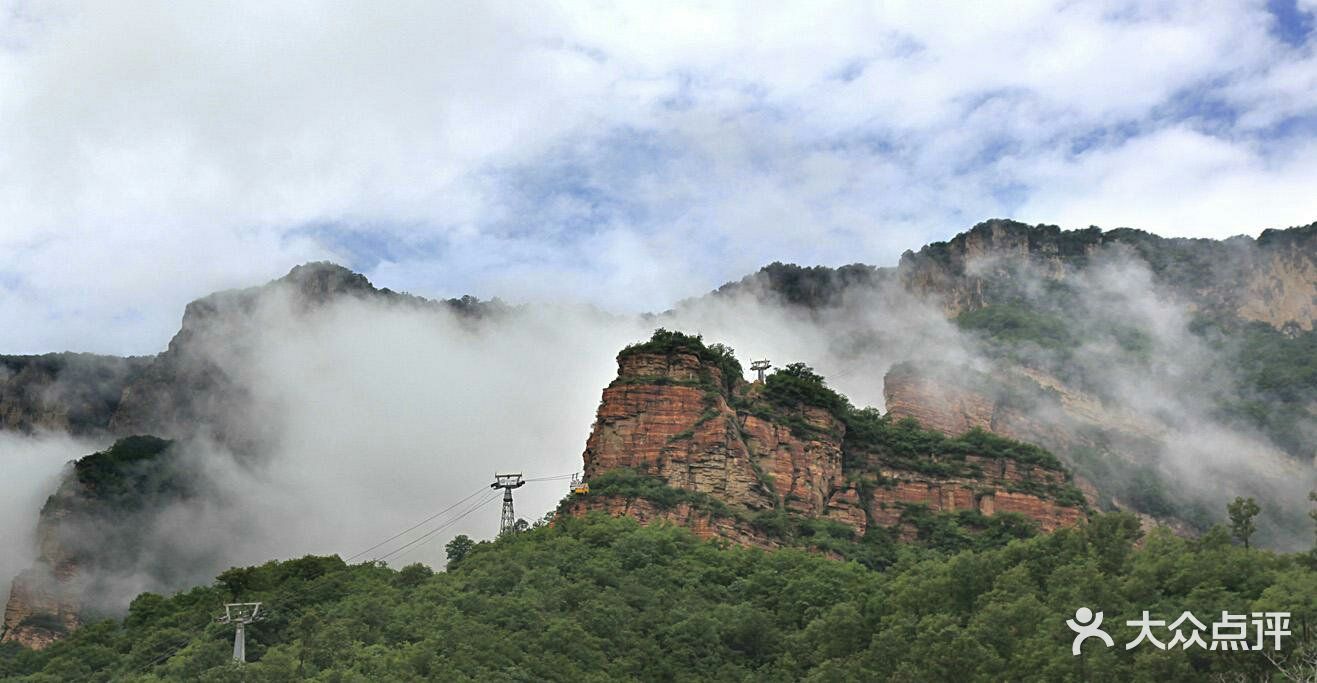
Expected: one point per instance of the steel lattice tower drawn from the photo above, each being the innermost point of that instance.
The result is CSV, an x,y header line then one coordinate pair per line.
x,y
507,482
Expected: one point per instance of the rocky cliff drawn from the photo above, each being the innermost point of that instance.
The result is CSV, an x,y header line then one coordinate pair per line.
x,y
1015,402
104,531
44,602
1272,279
76,393
98,526
190,387
701,446
1070,328
1101,443
681,436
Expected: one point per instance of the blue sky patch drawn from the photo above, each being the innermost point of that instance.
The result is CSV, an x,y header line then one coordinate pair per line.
x,y
1290,24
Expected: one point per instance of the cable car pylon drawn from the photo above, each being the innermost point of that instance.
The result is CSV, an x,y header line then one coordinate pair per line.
x,y
507,482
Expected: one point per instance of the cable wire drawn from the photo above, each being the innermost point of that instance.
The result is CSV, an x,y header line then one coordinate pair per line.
x,y
441,527
418,524
169,654
553,477
164,657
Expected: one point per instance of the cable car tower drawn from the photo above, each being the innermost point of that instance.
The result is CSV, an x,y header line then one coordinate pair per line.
x,y
240,614
760,366
507,482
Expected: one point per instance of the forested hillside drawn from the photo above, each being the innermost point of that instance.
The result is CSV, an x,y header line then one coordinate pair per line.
x,y
1028,377
605,599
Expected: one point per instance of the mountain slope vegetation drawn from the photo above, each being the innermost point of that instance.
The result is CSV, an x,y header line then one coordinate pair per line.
x,y
605,599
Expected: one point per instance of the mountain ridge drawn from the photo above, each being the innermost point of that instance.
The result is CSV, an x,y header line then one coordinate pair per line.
x,y
1012,290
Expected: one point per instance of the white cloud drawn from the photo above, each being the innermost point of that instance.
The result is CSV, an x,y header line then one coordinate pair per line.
x,y
1176,181
32,466
151,152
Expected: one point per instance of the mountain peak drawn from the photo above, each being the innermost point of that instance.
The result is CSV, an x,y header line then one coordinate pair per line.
x,y
321,280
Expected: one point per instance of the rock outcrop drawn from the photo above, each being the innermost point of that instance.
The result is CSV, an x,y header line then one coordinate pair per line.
x,y
669,416
90,530
1272,279
950,408
703,524
953,401
75,393
1282,290
192,386
195,385
44,601
664,416
107,526
675,418
1017,402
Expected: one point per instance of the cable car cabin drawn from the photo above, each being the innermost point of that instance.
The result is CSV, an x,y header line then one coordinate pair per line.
x,y
579,487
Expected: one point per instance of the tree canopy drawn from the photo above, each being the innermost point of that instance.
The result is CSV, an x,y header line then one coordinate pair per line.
x,y
604,599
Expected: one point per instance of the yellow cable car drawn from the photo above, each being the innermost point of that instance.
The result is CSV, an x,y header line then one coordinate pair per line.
x,y
579,487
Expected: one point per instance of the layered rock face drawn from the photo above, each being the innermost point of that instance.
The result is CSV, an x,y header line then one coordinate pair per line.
x,y
40,609
704,525
948,408
669,416
107,526
76,393
1272,279
194,385
675,418
1018,403
952,404
664,417
192,389
44,603
989,494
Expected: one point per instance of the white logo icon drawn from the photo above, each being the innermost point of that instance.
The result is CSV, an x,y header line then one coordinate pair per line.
x,y
1087,625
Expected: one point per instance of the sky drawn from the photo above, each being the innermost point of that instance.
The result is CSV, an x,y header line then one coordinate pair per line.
x,y
624,155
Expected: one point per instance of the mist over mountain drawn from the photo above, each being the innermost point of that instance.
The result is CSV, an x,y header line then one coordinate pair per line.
x,y
320,413
621,341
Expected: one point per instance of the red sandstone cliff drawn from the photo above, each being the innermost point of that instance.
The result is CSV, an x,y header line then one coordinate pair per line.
x,y
674,417
953,402
44,600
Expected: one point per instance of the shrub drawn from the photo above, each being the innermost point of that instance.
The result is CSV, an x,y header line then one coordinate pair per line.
x,y
42,620
629,483
1015,323
797,384
668,342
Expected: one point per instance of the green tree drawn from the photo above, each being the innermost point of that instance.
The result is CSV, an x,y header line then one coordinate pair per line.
x,y
1242,511
601,599
1312,495
458,549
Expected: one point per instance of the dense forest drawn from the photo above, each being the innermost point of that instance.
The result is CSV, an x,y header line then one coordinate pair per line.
x,y
605,599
